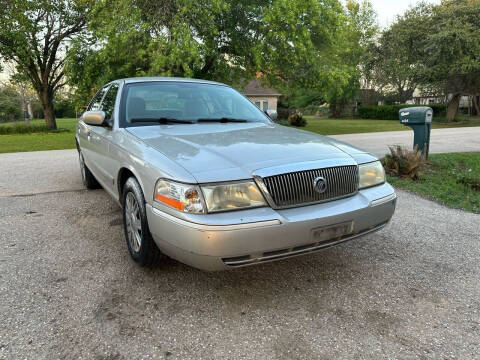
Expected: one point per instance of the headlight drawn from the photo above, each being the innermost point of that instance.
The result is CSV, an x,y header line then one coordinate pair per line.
x,y
232,196
184,197
371,174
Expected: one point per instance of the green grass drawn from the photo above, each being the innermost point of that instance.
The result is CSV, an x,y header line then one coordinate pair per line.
x,y
460,121
63,139
451,179
327,126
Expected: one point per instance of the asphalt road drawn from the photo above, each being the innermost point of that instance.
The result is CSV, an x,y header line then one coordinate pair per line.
x,y
69,290
465,139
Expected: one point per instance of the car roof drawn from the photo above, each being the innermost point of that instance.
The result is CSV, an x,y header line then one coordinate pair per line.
x,y
160,78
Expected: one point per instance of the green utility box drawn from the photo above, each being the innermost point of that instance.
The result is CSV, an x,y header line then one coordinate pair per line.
x,y
420,120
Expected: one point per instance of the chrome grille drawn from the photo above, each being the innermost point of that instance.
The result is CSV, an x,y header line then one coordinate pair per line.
x,y
297,188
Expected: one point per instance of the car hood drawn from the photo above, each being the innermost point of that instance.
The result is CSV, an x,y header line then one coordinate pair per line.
x,y
231,151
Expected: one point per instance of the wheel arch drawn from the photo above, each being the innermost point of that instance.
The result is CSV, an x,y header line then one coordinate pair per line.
x,y
123,174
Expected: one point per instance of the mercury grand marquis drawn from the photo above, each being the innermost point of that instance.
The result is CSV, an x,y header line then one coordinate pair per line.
x,y
204,176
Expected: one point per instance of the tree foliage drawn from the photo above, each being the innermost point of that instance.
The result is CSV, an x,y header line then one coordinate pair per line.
x,y
33,35
348,57
433,47
452,60
394,63
10,101
292,44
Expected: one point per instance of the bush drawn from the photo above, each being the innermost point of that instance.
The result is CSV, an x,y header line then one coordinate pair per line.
x,y
64,108
390,112
23,128
297,120
10,100
283,113
403,163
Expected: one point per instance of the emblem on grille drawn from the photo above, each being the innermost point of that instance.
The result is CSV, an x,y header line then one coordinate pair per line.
x,y
320,184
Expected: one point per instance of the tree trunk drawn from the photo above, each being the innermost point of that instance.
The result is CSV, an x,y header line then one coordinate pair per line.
x,y
29,110
336,108
404,95
453,107
47,104
476,104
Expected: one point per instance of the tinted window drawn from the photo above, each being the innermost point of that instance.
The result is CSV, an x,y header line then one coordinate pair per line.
x,y
108,103
97,99
185,101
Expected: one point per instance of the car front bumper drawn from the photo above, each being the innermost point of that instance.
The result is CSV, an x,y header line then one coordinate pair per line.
x,y
240,238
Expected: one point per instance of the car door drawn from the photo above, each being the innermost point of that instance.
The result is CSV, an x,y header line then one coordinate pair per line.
x,y
86,132
101,140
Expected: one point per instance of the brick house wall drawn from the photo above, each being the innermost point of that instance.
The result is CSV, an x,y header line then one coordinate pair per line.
x,y
263,96
260,100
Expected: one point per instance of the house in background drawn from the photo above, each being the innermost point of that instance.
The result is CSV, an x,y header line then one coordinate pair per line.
x,y
264,97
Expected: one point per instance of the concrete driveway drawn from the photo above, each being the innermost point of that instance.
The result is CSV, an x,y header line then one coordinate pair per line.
x,y
465,139
69,290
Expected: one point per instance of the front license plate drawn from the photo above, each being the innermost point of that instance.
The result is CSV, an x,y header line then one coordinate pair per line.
x,y
332,232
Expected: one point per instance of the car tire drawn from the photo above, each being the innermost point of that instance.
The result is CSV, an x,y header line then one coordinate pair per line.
x,y
87,177
140,243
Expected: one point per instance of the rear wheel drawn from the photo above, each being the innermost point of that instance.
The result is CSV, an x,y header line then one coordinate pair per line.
x,y
140,243
87,177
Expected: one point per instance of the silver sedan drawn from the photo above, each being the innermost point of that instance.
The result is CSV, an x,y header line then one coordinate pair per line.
x,y
207,178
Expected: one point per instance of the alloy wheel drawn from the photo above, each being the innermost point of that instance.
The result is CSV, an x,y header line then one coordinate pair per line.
x,y
133,222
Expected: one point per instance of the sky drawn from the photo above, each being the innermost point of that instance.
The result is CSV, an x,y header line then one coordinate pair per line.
x,y
387,10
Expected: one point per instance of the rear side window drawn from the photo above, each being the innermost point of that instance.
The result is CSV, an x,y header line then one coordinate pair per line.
x,y
96,102
108,104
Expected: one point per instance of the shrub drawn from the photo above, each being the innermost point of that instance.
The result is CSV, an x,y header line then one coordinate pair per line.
x,y
23,128
283,113
64,108
10,101
403,163
390,112
297,120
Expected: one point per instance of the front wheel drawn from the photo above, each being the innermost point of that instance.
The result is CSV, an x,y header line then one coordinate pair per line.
x,y
140,243
87,177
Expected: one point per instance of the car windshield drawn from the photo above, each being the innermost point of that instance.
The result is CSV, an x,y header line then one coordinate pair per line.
x,y
172,102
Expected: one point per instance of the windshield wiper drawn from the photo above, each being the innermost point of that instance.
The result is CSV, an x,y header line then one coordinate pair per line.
x,y
162,120
222,120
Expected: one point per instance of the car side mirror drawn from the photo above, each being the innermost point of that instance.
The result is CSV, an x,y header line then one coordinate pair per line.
x,y
96,118
272,114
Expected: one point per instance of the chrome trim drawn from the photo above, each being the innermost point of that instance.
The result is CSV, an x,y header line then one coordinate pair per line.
x,y
244,261
383,200
203,227
307,165
259,181
288,190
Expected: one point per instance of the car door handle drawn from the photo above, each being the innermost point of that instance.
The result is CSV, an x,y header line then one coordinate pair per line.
x,y
88,135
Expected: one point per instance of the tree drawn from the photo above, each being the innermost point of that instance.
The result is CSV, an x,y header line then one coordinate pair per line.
x,y
349,55
452,52
394,62
431,47
33,35
288,42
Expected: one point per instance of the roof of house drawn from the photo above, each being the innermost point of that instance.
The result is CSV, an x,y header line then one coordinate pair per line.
x,y
255,88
